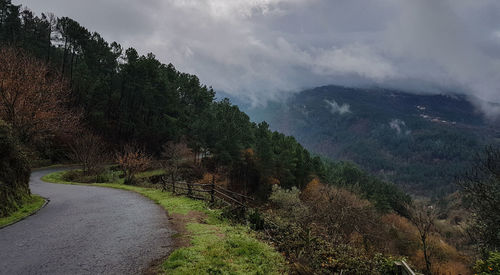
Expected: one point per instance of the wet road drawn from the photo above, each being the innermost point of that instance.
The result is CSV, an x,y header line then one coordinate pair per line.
x,y
85,230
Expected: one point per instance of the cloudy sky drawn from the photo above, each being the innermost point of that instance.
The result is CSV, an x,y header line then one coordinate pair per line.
x,y
266,49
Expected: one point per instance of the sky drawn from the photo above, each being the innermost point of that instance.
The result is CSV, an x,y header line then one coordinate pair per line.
x,y
261,50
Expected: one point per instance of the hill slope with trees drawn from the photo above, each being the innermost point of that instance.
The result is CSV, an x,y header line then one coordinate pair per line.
x,y
129,98
421,142
93,102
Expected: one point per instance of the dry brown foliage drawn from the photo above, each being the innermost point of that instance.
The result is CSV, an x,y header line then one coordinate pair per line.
x,y
89,150
405,239
33,98
343,215
133,160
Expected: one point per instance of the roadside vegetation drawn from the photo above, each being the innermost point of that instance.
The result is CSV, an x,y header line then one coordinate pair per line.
x,y
14,173
69,95
30,206
206,242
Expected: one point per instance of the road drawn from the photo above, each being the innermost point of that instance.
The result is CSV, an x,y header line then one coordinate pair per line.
x,y
85,230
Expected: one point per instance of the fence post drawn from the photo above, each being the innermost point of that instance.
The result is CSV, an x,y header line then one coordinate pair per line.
x,y
190,191
163,184
212,191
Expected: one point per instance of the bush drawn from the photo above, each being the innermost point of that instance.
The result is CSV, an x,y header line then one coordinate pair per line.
x,y
489,266
318,245
87,149
132,160
14,173
81,177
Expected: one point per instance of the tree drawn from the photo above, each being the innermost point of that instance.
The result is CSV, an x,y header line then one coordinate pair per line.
x,y
32,97
424,217
14,173
88,150
174,154
10,22
132,160
481,189
342,214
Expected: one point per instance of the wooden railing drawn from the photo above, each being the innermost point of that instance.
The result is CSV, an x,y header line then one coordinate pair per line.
x,y
209,192
403,268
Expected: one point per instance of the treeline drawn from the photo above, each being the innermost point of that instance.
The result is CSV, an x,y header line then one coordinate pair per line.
x,y
128,98
66,92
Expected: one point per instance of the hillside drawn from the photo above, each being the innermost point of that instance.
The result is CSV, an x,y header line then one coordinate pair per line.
x,y
418,141
67,95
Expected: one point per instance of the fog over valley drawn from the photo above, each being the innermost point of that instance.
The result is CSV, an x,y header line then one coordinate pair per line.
x,y
262,50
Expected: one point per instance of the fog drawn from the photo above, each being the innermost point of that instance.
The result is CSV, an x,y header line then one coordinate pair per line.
x,y
261,50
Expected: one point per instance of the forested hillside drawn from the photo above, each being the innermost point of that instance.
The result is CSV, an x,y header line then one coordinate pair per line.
x,y
421,142
67,95
130,98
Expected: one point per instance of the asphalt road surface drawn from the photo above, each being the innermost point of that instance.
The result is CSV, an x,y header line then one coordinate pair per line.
x,y
85,230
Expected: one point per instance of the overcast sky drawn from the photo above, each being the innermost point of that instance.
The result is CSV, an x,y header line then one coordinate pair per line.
x,y
265,49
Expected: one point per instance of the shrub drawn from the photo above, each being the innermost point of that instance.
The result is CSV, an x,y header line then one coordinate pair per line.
x,y
79,176
88,150
318,232
491,265
132,160
14,173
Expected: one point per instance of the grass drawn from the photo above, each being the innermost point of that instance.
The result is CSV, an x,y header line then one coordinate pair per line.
x,y
30,207
223,249
214,245
151,173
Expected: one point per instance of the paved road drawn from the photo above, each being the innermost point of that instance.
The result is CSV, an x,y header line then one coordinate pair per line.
x,y
85,230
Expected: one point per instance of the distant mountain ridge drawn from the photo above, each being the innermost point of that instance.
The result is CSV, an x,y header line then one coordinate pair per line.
x,y
418,141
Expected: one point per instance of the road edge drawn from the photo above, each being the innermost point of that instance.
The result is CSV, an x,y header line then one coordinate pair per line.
x,y
47,200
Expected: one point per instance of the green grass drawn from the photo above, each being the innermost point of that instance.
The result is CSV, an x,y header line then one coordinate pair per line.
x,y
222,248
217,246
31,206
151,173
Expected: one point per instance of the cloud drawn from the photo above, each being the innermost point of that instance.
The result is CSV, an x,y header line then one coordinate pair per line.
x,y
263,50
335,108
400,126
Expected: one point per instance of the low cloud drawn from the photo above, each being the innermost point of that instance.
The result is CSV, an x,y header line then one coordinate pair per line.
x,y
262,50
399,126
335,108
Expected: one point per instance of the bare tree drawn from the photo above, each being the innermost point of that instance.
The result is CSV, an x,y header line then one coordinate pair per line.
x,y
424,217
174,154
88,150
133,160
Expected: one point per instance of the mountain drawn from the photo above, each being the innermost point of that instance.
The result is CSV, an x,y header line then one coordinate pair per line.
x,y
420,142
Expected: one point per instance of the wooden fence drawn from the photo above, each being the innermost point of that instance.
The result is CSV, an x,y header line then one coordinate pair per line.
x,y
211,192
208,192
402,268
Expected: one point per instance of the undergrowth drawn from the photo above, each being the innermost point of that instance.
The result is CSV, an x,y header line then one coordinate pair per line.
x,y
32,205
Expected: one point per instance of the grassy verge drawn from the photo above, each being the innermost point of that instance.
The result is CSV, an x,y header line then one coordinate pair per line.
x,y
207,243
30,207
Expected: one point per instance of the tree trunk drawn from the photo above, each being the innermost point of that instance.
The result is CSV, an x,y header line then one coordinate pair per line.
x,y
64,57
426,256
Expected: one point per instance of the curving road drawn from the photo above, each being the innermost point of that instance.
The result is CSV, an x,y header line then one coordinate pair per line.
x,y
85,230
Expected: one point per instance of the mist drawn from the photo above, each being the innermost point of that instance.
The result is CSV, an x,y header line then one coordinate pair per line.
x,y
263,50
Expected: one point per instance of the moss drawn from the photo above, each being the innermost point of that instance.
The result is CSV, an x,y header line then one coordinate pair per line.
x,y
33,204
14,173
